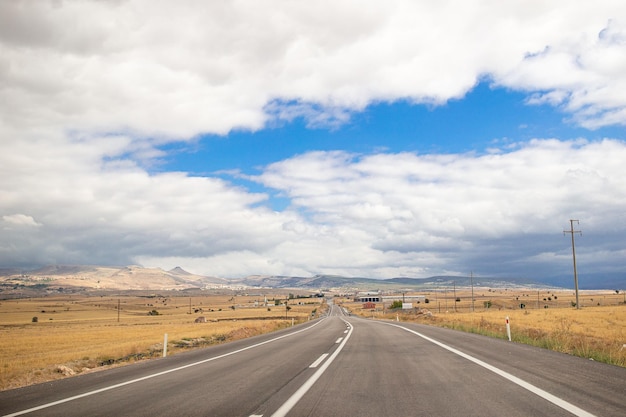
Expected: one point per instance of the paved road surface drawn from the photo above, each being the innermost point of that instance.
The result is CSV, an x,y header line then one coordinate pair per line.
x,y
341,366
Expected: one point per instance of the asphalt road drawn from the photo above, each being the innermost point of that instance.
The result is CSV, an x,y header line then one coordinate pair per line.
x,y
341,366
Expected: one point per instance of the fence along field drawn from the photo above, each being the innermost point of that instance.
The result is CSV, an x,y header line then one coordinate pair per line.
x,y
49,338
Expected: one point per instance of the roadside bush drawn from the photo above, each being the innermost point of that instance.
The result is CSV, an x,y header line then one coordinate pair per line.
x,y
35,319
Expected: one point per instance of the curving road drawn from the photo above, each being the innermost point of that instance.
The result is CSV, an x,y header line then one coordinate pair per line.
x,y
341,366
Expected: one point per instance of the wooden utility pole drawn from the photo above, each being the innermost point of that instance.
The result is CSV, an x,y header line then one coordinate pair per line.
x,y
573,232
454,282
472,283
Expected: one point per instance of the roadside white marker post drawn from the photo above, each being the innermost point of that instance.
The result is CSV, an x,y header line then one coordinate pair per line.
x,y
165,345
292,321
397,317
508,328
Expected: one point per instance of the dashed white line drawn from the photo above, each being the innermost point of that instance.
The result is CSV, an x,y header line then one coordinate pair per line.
x,y
293,400
318,361
339,340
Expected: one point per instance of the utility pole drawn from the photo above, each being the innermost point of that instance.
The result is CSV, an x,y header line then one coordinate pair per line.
x,y
454,282
537,299
472,283
573,232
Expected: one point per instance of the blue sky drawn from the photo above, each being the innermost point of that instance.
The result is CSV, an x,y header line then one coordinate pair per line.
x,y
485,117
357,138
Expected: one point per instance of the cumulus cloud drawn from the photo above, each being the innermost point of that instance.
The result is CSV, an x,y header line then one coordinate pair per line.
x,y
443,211
379,215
20,220
174,70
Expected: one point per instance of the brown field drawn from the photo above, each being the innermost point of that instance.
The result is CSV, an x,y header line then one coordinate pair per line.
x,y
596,331
76,334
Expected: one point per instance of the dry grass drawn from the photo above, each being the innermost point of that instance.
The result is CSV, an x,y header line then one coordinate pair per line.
x,y
78,334
596,331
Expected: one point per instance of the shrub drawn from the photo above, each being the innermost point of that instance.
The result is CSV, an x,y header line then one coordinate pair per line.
x,y
153,313
35,319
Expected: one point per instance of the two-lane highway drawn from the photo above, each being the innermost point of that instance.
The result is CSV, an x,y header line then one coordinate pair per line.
x,y
341,365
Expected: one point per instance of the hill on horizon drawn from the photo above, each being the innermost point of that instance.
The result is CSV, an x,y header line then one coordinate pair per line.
x,y
93,277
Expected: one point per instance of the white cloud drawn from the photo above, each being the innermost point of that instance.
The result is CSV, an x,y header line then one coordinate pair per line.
x,y
173,70
20,220
378,215
440,211
388,215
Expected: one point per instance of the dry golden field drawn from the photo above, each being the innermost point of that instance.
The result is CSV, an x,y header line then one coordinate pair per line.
x,y
596,331
52,337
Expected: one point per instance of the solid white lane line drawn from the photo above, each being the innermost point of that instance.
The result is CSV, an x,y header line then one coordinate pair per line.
x,y
318,361
293,400
535,390
87,394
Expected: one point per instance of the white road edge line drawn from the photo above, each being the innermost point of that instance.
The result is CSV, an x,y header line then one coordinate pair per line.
x,y
535,390
293,400
87,394
318,361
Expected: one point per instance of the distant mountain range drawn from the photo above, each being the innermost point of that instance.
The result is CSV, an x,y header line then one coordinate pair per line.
x,y
89,277
334,281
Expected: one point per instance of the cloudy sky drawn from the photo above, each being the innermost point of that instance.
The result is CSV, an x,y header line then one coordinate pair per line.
x,y
361,138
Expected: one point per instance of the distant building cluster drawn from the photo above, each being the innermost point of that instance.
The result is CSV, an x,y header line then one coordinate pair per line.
x,y
369,298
